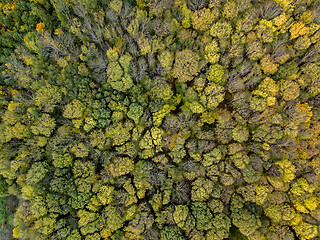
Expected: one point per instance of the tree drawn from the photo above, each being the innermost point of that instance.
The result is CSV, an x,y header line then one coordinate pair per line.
x,y
141,173
36,173
44,126
287,170
180,215
120,166
267,87
102,116
267,133
161,90
171,232
166,60
86,217
240,134
80,150
111,219
255,50
117,78
203,18
220,29
61,160
186,22
302,43
142,221
212,157
305,230
79,201
245,221
265,31
268,66
280,213
144,45
250,175
298,29
302,196
47,97
211,52
217,74
221,225
135,112
186,65
75,109
116,5
290,90
213,95
202,215
160,115
279,232
3,187
178,151
119,132
240,159
105,194
230,9
201,189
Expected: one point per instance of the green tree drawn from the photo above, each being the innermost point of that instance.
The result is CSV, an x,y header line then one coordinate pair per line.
x,y
171,232
135,112
221,225
213,95
250,175
202,215
240,159
116,5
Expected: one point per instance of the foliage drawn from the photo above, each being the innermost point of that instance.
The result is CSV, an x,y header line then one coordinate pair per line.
x,y
186,65
159,119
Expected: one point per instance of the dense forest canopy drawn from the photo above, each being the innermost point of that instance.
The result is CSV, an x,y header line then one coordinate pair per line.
x,y
160,119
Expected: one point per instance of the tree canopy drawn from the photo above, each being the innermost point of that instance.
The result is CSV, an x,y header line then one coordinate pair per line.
x,y
160,119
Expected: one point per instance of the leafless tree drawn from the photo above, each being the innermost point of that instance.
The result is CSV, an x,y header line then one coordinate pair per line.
x,y
197,4
270,10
